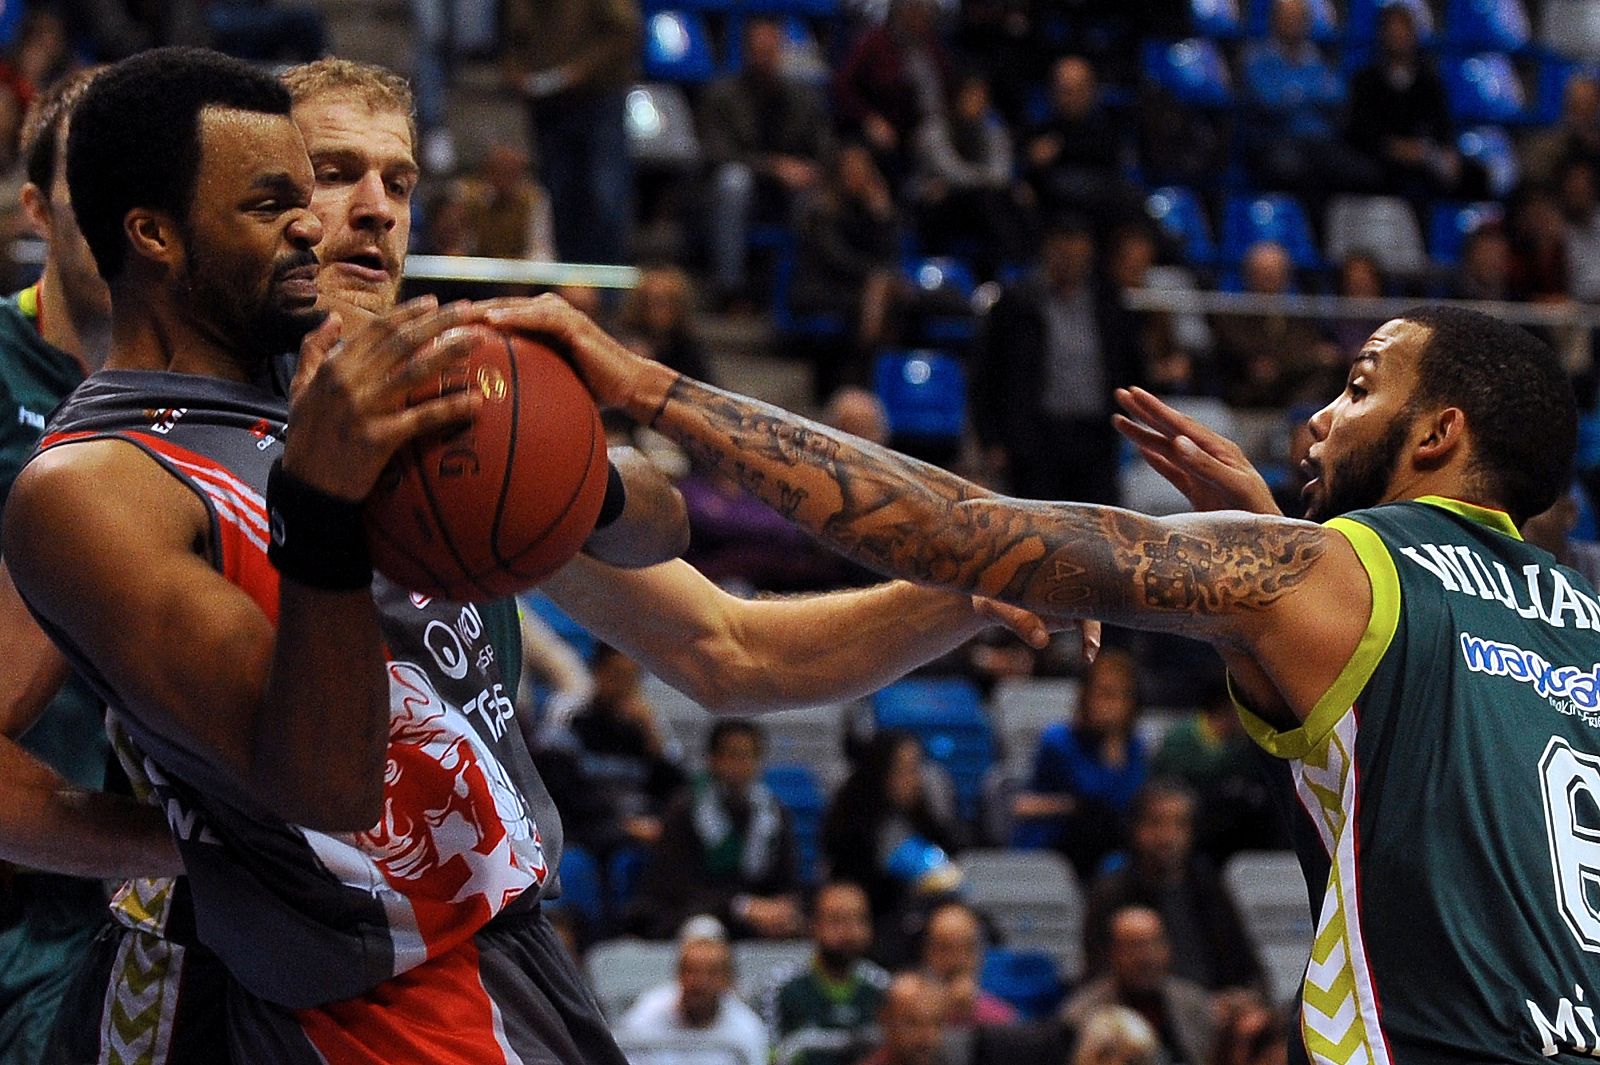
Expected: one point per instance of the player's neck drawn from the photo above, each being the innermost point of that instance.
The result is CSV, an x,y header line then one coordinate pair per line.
x,y
148,333
86,341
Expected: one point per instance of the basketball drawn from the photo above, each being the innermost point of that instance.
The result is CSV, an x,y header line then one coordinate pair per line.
x,y
493,508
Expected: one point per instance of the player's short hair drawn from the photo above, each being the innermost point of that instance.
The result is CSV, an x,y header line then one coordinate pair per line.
x,y
134,139
46,117
1517,399
378,88
735,726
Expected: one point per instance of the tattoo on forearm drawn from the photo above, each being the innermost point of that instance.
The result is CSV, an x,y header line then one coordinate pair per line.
x,y
907,518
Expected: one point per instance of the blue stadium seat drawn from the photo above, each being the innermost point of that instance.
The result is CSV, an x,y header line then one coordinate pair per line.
x,y
623,870
947,715
1491,147
924,394
785,322
1028,979
580,885
1491,25
1178,212
1361,20
1271,216
1485,87
1452,223
820,9
796,787
948,282
677,47
1324,20
1218,19
1192,70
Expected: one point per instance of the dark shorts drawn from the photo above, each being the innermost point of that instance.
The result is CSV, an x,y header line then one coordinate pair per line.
x,y
510,995
46,925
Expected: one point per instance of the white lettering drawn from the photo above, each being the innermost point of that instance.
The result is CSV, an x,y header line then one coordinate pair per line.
x,y
29,418
1436,567
1565,1028
1471,563
445,646
1565,599
470,624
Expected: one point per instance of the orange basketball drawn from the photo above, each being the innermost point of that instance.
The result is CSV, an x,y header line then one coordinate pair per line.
x,y
494,507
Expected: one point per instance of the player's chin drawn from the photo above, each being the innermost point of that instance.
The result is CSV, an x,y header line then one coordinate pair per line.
x,y
370,297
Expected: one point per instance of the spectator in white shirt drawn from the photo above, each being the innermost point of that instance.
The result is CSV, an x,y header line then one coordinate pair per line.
x,y
700,1003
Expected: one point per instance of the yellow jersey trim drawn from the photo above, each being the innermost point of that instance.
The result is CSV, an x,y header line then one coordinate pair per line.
x,y
1498,520
1335,702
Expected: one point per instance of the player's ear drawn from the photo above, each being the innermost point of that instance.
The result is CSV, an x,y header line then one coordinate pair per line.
x,y
154,235
1445,433
36,209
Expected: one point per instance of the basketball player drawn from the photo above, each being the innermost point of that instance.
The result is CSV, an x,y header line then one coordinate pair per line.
x,y
1434,681
935,621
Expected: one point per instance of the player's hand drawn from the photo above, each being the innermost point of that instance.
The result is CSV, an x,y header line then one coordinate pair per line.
x,y
1209,469
609,369
1035,629
349,414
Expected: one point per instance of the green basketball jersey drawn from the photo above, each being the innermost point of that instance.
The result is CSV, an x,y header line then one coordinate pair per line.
x,y
1452,774
34,377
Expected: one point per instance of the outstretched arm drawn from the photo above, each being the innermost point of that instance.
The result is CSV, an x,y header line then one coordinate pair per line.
x,y
1229,579
741,656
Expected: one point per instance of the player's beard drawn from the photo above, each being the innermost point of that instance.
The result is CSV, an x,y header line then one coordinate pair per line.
x,y
1362,478
258,326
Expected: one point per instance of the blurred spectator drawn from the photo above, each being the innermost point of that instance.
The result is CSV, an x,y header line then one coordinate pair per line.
x,y
444,30
1269,360
1293,96
1576,135
1249,1033
827,1013
39,55
1580,204
1552,530
623,749
508,214
893,79
1073,158
858,412
1087,769
108,30
1054,348
912,1024
573,61
883,832
1209,751
961,187
1171,348
1140,978
1115,1035
1484,272
726,848
1399,118
657,320
847,260
701,1001
952,956
1207,936
1360,277
449,223
265,31
1002,37
765,136
1540,271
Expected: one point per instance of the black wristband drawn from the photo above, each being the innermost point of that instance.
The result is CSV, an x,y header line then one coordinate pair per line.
x,y
318,540
616,498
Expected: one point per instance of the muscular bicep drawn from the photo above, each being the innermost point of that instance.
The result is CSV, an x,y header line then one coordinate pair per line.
x,y
122,575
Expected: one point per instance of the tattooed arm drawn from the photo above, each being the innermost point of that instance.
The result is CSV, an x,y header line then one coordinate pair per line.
x,y
1290,594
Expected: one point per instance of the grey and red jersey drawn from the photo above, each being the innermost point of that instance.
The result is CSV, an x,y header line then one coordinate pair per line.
x,y
468,831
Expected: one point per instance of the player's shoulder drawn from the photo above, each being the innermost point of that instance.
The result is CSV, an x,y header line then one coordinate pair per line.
x,y
90,482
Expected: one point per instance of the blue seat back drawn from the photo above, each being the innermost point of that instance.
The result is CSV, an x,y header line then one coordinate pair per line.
x,y
677,47
580,885
1219,19
1192,70
796,787
1028,979
1274,216
924,393
1496,25
947,715
1484,88
1179,213
1452,223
